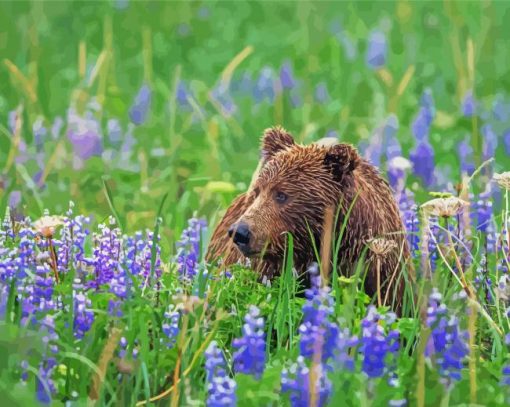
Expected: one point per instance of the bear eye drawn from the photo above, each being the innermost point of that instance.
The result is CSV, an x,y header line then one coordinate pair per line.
x,y
280,197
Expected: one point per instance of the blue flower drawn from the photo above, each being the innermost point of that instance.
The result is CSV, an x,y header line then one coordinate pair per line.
x,y
422,158
296,381
390,140
447,342
423,120
264,88
483,212
321,93
318,334
375,345
377,50
84,133
222,96
189,248
250,355
490,140
141,105
466,157
170,326
83,315
286,76
221,389
409,211
469,104
506,141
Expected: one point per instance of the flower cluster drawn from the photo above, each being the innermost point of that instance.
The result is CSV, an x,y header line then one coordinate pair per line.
x,y
377,346
297,382
170,326
448,343
221,389
189,249
250,355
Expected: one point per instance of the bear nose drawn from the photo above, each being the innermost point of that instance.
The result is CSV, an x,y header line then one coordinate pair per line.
x,y
240,234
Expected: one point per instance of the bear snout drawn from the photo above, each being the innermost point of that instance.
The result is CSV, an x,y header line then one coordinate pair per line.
x,y
240,234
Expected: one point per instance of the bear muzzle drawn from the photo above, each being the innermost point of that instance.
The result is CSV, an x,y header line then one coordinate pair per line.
x,y
241,235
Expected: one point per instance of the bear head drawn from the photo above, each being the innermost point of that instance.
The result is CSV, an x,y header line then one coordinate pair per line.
x,y
294,187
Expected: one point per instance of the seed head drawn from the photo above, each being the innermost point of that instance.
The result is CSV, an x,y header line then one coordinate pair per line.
x,y
444,207
503,180
47,225
381,247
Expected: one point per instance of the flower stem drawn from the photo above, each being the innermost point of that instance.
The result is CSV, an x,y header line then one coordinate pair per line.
x,y
53,258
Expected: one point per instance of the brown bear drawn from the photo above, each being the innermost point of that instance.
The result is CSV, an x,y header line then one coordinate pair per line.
x,y
295,186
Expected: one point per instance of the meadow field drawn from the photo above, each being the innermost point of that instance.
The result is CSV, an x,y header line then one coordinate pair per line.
x,y
128,127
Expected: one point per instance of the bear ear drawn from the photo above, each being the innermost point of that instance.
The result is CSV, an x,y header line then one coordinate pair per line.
x,y
274,140
341,159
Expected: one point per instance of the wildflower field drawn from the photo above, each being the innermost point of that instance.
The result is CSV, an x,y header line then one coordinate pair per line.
x,y
128,127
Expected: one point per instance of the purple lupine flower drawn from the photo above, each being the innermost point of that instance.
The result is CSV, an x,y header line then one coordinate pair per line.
x,y
182,95
107,252
390,140
377,50
84,133
423,120
344,342
466,157
447,342
39,131
296,100
203,13
376,346
26,260
321,93
409,211
141,105
189,248
242,86
45,386
14,199
318,334
483,212
250,355
286,76
296,381
490,141
221,389
114,131
37,297
222,96
183,29
469,104
83,315
349,47
13,117
123,344
398,168
501,109
505,375
115,308
422,158
170,326
4,295
373,151
264,88
506,141
56,127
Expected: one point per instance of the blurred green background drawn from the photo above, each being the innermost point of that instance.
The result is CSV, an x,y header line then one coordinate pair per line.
x,y
214,74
